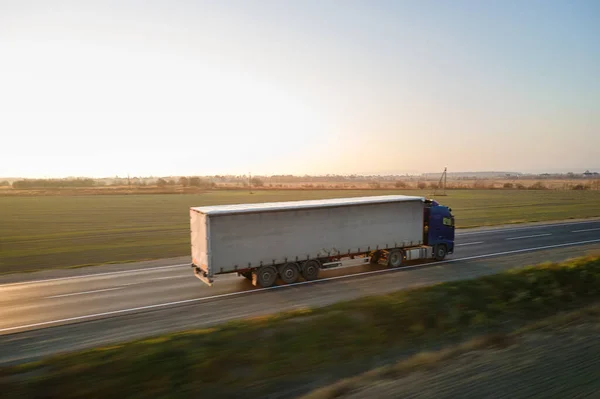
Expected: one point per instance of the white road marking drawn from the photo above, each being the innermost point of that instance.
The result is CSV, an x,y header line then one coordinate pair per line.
x,y
533,236
166,278
469,243
540,226
84,292
146,269
240,293
581,231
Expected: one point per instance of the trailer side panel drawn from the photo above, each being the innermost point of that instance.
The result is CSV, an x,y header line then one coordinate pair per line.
x,y
239,241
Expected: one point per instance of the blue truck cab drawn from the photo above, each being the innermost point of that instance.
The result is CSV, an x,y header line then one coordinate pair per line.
x,y
438,231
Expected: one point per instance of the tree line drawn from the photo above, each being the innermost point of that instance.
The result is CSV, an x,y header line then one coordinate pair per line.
x,y
53,183
184,181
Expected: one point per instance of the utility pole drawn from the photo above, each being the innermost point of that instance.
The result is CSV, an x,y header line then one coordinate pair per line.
x,y
443,179
250,181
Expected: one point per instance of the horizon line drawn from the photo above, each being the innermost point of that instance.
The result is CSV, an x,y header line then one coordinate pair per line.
x,y
499,173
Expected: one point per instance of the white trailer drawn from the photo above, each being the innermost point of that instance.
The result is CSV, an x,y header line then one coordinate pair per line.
x,y
298,238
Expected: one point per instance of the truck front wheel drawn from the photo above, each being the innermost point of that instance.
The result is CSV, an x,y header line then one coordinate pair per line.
x,y
310,270
264,277
289,273
440,252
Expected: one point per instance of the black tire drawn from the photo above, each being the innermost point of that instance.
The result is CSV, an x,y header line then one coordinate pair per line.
x,y
310,270
289,273
395,258
440,252
375,257
264,277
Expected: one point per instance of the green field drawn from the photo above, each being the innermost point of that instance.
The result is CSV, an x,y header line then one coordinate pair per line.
x,y
63,231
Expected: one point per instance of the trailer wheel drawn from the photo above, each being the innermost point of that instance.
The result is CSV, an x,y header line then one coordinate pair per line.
x,y
440,252
310,270
395,258
289,273
264,277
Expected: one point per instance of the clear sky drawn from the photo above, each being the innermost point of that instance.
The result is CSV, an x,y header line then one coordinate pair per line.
x,y
104,88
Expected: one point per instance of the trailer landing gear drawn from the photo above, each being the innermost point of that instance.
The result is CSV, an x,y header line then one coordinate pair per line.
x,y
247,275
375,256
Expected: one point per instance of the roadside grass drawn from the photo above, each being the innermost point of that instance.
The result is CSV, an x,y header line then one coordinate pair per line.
x,y
64,231
428,360
421,361
297,352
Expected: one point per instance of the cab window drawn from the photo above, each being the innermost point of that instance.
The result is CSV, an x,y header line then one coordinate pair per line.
x,y
448,221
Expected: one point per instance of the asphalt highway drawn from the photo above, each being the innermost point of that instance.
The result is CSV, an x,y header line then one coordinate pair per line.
x,y
50,312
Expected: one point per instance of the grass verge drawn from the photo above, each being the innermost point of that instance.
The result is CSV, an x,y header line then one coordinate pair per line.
x,y
294,353
431,360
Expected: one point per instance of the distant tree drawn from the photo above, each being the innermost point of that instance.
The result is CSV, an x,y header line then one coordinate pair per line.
x,y
256,182
195,181
161,182
422,185
538,186
171,182
184,181
580,187
433,186
374,185
508,185
400,184
4,183
199,182
520,186
52,183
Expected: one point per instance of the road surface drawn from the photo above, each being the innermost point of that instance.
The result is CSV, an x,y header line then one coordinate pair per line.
x,y
57,311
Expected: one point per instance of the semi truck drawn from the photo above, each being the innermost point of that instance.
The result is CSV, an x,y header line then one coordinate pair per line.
x,y
291,240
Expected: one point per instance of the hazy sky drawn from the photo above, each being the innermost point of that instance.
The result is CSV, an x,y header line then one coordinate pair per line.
x,y
104,88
